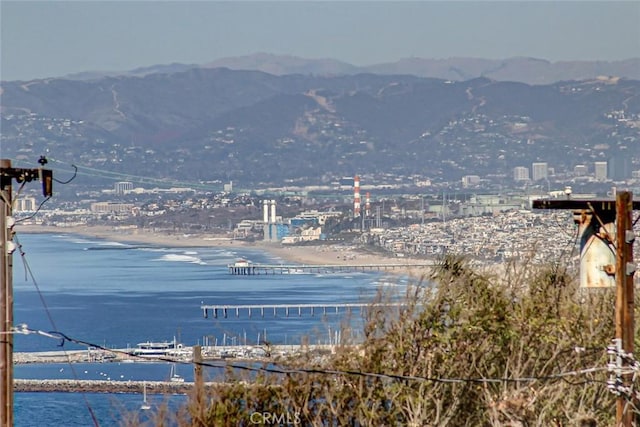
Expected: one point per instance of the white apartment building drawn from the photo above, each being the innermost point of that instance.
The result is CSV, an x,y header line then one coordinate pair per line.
x,y
601,171
25,204
520,173
123,187
539,170
109,207
469,180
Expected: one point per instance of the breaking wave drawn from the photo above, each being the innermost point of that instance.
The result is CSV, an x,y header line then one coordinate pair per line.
x,y
186,257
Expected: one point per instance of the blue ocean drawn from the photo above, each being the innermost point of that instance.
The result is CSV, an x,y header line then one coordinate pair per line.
x,y
117,295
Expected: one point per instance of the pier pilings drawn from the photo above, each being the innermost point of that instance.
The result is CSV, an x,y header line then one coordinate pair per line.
x,y
251,269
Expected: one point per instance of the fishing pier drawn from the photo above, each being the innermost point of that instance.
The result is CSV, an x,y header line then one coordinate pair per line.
x,y
246,268
288,309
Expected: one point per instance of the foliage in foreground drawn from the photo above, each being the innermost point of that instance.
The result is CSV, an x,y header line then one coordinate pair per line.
x,y
469,350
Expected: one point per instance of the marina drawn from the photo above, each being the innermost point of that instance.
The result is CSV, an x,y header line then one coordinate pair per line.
x,y
209,353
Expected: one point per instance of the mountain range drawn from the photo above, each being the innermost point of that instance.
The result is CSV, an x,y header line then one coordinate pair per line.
x,y
307,121
518,69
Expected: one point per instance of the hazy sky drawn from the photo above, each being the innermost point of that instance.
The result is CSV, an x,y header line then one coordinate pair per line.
x,y
54,38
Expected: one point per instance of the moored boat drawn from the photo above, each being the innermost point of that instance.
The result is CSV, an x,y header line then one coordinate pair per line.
x,y
155,349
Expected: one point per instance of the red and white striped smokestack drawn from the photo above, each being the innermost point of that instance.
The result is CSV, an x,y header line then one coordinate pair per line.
x,y
367,205
356,196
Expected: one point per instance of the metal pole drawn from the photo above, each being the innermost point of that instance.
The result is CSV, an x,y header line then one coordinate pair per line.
x,y
624,295
198,380
624,271
6,300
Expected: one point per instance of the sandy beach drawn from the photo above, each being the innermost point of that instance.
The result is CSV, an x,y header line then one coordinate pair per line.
x,y
331,253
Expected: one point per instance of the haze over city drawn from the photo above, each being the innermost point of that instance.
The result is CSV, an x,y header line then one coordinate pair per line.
x,y
56,38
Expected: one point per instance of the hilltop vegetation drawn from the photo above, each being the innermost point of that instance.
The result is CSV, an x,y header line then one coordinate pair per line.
x,y
527,348
255,128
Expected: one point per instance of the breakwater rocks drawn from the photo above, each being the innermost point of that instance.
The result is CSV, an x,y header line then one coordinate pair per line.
x,y
100,386
50,357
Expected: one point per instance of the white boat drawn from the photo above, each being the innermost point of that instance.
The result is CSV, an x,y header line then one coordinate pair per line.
x,y
175,378
145,405
154,349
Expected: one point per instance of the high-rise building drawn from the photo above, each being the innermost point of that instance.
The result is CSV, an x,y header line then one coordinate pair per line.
x,y
619,166
601,171
123,187
25,204
469,180
539,170
520,173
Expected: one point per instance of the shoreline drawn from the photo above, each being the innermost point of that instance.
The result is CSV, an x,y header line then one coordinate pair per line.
x,y
320,254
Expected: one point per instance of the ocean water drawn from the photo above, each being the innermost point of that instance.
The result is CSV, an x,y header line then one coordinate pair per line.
x,y
72,409
117,295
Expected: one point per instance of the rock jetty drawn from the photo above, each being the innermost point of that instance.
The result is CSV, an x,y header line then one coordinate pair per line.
x,y
102,386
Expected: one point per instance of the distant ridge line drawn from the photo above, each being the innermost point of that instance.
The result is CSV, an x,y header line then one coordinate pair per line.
x,y
518,69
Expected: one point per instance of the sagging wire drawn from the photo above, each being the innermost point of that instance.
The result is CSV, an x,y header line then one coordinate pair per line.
x,y
610,240
28,271
15,199
23,329
563,228
99,173
630,402
36,211
4,198
583,351
571,243
75,173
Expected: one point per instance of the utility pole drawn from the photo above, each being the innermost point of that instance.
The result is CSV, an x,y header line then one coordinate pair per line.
x,y
7,175
198,378
6,299
624,294
623,271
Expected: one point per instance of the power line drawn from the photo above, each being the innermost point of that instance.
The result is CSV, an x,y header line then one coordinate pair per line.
x,y
36,211
118,176
100,173
274,369
75,173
